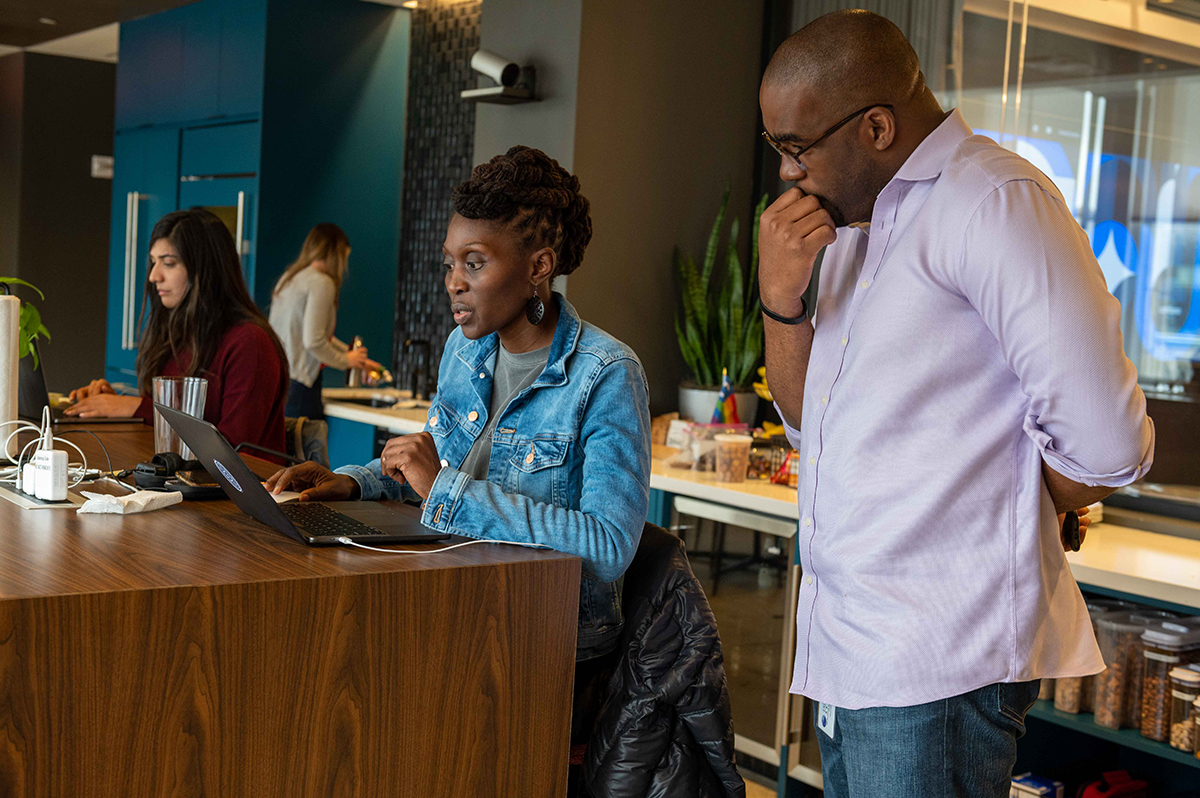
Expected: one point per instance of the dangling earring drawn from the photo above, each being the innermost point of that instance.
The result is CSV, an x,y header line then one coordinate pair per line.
x,y
535,309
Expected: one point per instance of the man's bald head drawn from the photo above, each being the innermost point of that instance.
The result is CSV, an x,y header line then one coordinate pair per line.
x,y
850,57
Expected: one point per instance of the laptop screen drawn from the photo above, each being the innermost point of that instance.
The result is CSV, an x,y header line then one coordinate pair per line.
x,y
228,469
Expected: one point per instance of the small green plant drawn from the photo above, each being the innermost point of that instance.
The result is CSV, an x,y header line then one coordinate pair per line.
x,y
720,326
31,327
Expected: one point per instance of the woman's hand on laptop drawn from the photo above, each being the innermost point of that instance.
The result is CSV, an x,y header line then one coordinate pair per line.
x,y
104,405
316,483
91,389
412,459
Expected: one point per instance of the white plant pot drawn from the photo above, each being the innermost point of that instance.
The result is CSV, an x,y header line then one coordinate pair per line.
x,y
697,404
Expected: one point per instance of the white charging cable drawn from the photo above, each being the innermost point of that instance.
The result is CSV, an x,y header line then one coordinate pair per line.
x,y
348,542
80,469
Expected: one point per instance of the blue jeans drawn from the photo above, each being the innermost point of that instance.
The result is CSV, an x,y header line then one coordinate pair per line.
x,y
960,747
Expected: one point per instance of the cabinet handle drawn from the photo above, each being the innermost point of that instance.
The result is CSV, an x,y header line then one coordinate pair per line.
x,y
129,202
131,304
241,223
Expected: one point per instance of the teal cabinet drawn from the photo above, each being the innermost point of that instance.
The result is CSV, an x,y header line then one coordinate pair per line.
x,y
273,128
194,63
144,189
350,443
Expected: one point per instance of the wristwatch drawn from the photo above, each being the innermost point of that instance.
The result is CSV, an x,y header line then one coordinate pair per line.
x,y
784,319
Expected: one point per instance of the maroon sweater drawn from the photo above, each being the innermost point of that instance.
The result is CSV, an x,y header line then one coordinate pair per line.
x,y
247,388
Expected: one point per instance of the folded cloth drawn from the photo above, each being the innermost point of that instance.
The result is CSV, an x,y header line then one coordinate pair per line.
x,y
141,502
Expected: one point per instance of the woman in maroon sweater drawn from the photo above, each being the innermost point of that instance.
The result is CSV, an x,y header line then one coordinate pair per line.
x,y
201,322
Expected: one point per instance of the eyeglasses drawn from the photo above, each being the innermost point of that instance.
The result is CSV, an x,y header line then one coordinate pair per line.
x,y
795,156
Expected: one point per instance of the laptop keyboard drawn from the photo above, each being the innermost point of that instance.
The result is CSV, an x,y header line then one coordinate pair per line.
x,y
320,521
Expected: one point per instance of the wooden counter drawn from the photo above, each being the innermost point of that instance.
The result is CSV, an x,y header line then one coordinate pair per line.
x,y
194,651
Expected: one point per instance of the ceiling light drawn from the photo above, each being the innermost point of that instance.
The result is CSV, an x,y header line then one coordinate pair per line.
x,y
409,3
48,21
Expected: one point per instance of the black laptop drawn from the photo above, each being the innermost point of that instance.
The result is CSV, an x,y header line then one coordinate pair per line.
x,y
314,523
32,398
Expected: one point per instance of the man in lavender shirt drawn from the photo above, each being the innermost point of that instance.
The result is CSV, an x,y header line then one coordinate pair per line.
x,y
960,382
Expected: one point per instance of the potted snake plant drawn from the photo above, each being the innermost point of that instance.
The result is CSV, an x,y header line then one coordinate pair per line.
x,y
718,323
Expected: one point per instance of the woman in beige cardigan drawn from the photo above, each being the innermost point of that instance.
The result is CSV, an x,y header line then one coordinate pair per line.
x,y
304,314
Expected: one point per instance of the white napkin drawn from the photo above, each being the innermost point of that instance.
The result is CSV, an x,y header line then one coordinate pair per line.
x,y
141,502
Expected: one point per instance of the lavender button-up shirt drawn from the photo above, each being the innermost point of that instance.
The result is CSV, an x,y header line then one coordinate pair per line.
x,y
964,339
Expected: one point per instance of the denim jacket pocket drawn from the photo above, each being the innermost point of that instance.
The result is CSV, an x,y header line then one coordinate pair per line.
x,y
531,456
537,469
441,421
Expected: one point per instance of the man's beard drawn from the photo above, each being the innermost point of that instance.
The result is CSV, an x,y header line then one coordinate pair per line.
x,y
835,213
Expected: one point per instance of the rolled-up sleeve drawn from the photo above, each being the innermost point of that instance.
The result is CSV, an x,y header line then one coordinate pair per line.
x,y
1027,267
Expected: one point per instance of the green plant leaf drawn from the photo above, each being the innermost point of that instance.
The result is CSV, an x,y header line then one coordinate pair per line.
x,y
752,345
733,267
30,322
690,290
690,356
19,281
752,283
714,235
703,374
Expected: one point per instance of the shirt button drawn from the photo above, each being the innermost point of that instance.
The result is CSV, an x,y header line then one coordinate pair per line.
x,y
808,522
482,375
808,580
865,283
812,461
844,341
472,416
824,400
433,421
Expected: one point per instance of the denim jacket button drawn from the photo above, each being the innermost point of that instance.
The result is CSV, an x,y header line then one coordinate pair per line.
x,y
433,421
529,457
472,416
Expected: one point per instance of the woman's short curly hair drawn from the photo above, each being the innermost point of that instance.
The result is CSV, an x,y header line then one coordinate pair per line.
x,y
528,188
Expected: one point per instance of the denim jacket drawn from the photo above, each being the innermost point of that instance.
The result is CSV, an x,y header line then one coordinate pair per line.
x,y
570,463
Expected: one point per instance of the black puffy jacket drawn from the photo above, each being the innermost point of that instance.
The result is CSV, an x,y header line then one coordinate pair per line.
x,y
664,730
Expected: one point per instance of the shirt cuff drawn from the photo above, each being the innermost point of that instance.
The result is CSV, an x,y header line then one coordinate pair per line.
x,y
1078,473
370,486
443,498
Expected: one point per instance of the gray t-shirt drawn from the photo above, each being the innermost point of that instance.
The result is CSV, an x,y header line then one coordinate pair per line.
x,y
514,373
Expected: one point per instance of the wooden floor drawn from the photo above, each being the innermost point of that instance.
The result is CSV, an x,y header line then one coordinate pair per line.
x,y
756,790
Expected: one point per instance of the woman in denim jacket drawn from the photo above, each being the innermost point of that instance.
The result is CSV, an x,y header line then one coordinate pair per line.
x,y
540,430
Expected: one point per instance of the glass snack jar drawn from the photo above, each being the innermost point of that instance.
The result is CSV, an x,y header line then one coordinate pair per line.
x,y
1185,691
1164,648
1078,693
1119,687
1196,728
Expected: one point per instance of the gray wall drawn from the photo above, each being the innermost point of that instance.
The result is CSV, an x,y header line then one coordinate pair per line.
x,y
667,115
62,212
654,105
544,33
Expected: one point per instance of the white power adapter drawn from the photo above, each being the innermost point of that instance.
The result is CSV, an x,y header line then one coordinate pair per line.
x,y
50,470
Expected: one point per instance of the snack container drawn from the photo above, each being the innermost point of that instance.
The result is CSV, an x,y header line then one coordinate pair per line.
x,y
1164,649
1077,694
1195,727
1119,687
1185,691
